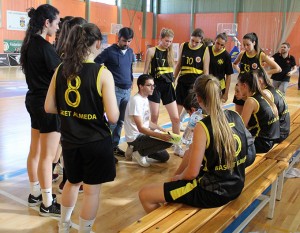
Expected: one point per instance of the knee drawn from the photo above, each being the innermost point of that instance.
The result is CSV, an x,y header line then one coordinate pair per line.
x,y
142,195
175,120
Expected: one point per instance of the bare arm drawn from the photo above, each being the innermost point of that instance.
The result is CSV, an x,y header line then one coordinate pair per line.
x,y
154,126
206,61
274,67
50,102
227,86
237,61
249,107
107,87
178,65
139,123
293,70
149,55
195,157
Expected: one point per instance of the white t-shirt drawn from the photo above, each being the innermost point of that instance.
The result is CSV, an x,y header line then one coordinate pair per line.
x,y
137,106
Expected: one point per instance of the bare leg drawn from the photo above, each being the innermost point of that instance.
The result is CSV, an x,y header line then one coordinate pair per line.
x,y
173,113
33,155
154,110
179,107
58,153
90,201
49,144
70,194
151,196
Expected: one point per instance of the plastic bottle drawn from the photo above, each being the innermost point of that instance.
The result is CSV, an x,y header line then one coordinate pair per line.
x,y
189,131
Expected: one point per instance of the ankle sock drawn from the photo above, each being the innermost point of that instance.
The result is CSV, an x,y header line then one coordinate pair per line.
x,y
35,188
85,226
47,197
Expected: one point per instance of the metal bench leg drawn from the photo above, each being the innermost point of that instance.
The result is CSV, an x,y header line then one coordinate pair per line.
x,y
280,185
272,199
264,199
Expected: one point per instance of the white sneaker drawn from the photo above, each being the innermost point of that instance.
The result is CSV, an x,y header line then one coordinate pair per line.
x,y
141,160
64,227
178,151
128,153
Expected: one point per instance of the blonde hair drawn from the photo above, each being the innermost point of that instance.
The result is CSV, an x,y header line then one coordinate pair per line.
x,y
165,32
207,87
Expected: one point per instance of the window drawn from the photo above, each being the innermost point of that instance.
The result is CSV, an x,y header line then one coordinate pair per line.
x,y
148,6
109,2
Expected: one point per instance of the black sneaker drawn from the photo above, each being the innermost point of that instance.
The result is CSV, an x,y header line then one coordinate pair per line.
x,y
34,201
53,210
119,152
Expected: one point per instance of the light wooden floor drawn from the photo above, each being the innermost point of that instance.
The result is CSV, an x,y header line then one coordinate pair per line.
x,y
119,204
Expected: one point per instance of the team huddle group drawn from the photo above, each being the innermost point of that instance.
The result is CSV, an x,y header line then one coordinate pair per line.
x,y
79,99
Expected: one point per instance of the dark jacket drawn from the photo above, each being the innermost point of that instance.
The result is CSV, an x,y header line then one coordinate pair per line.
x,y
119,64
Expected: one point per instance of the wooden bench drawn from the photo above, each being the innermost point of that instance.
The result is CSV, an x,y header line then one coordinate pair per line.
x,y
182,218
267,170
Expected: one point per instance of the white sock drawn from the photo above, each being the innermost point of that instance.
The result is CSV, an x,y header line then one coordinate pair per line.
x,y
35,188
47,197
85,226
66,213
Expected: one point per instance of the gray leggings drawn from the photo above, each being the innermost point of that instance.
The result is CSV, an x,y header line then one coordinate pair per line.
x,y
151,147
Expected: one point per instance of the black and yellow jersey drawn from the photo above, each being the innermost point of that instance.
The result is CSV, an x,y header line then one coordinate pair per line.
x,y
249,63
191,63
159,66
220,65
263,122
214,175
80,106
283,111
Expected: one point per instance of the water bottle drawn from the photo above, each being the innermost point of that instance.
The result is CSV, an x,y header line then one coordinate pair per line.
x,y
189,131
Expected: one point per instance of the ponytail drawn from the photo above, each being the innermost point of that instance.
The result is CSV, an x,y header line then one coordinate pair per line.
x,y
208,89
36,24
77,48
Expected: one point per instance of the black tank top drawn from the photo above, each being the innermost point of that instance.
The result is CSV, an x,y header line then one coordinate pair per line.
x,y
191,63
283,112
80,107
263,123
250,63
159,66
214,175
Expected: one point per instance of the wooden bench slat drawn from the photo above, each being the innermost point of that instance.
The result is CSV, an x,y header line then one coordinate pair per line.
x,y
193,222
295,117
258,160
257,172
173,220
293,127
152,218
236,207
281,146
287,153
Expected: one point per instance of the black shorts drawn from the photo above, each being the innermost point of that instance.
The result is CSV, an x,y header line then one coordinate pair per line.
x,y
40,120
196,197
164,91
182,91
238,102
92,163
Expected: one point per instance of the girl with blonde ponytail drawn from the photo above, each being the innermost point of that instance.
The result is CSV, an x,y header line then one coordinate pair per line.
x,y
212,171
